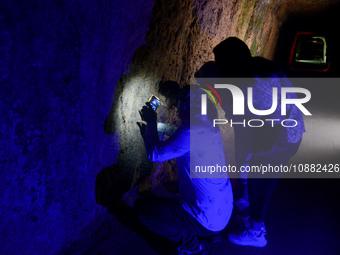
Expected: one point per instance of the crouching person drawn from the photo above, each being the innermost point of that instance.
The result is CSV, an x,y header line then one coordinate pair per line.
x,y
204,204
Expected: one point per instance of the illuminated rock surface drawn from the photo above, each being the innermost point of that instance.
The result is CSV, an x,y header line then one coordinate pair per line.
x,y
64,65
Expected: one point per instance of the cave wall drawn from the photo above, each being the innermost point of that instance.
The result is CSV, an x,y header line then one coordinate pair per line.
x,y
59,62
65,64
180,39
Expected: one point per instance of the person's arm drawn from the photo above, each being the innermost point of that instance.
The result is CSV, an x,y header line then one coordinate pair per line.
x,y
157,151
167,129
174,147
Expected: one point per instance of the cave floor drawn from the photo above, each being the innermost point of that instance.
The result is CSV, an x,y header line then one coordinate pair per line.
x,y
303,218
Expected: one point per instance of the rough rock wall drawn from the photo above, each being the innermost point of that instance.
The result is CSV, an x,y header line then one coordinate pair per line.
x,y
180,39
59,62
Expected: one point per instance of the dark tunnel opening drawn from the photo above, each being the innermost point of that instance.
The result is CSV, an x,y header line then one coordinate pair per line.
x,y
321,23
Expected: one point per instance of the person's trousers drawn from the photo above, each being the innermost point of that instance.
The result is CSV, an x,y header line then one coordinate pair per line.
x,y
261,189
259,193
168,218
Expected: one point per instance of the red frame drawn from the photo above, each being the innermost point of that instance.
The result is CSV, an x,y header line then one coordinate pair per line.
x,y
292,52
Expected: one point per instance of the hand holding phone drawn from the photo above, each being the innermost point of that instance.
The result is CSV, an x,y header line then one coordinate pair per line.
x,y
154,102
148,114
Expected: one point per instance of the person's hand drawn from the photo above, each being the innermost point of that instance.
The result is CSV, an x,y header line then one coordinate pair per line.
x,y
148,114
141,124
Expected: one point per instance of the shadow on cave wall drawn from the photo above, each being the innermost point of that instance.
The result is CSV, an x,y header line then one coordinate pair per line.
x,y
132,164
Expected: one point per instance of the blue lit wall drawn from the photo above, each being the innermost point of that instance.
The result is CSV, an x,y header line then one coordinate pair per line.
x,y
59,63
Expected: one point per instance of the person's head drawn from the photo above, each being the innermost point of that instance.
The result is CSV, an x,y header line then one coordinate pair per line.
x,y
265,68
169,93
232,54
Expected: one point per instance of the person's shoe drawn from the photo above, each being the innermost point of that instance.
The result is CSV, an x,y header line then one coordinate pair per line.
x,y
249,237
200,250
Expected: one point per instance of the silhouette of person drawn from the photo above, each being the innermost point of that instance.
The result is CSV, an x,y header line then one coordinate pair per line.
x,y
163,182
203,205
270,144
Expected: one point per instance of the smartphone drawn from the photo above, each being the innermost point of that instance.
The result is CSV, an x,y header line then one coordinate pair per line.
x,y
154,102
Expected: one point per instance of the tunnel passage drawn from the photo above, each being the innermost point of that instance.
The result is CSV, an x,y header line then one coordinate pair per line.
x,y
180,39
65,63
